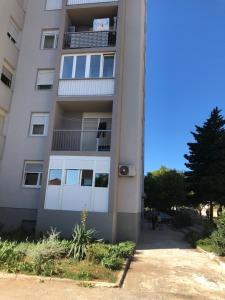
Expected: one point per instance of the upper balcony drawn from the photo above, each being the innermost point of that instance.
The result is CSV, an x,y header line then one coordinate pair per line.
x,y
91,28
83,2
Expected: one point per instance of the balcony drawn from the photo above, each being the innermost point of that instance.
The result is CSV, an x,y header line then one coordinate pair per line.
x,y
88,39
86,87
80,2
82,140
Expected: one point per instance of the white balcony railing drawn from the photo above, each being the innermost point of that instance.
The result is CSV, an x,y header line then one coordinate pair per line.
x,y
86,87
76,2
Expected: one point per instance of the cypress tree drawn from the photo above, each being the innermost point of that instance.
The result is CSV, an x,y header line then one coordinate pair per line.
x,y
206,161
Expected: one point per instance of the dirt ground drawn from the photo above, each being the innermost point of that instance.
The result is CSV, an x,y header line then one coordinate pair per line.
x,y
164,268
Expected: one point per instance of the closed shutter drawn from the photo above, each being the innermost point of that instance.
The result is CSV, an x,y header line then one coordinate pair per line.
x,y
45,77
33,167
13,31
53,4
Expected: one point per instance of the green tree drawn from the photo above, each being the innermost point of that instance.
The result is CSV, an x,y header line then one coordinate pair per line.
x,y
206,162
164,189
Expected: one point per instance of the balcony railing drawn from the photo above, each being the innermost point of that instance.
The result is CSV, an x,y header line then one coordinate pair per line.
x,y
89,39
75,2
77,140
86,87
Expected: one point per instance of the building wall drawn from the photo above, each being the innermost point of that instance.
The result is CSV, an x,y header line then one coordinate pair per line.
x,y
27,99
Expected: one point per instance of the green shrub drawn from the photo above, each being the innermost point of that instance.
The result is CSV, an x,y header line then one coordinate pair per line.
x,y
123,250
96,252
182,219
218,236
112,262
81,239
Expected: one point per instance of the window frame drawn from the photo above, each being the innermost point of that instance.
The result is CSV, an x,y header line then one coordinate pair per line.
x,y
88,65
4,66
49,32
32,124
40,174
61,179
78,183
50,87
81,178
101,187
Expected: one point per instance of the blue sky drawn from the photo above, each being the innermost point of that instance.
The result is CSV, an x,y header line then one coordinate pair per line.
x,y
185,75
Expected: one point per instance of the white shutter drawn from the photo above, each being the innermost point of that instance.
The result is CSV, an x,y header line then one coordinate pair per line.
x,y
39,119
45,77
53,4
13,30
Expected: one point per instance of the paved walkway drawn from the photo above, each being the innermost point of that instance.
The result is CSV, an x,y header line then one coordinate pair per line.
x,y
164,268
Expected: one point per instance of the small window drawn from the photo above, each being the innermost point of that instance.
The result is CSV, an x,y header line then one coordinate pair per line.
x,y
108,68
53,4
6,77
101,180
13,32
49,39
95,66
67,67
80,66
55,177
33,174
72,177
45,79
39,124
87,178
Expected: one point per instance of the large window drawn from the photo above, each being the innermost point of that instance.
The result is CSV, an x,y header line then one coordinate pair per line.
x,y
49,39
88,66
33,171
45,79
87,178
39,124
53,4
101,180
72,177
55,177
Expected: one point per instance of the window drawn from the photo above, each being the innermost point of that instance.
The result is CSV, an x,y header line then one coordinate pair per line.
x,y
72,177
88,66
101,180
108,68
49,39
55,177
39,124
80,66
6,76
33,171
45,79
53,4
67,67
13,32
87,178
95,66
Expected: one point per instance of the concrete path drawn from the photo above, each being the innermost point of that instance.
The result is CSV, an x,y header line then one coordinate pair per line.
x,y
164,268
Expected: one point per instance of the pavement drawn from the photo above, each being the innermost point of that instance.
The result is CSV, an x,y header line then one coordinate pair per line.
x,y
165,267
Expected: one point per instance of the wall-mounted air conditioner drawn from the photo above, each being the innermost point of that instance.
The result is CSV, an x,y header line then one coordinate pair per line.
x,y
127,171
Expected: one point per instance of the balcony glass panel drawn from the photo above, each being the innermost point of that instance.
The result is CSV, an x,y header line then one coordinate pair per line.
x,y
80,66
95,66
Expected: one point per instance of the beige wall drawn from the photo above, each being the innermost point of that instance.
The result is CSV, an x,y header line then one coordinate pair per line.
x,y
26,99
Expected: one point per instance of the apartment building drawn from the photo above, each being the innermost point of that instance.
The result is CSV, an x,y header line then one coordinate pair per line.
x,y
74,138
12,15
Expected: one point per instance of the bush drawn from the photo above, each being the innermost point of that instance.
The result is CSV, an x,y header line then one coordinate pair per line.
x,y
112,262
182,219
123,250
96,252
81,239
218,236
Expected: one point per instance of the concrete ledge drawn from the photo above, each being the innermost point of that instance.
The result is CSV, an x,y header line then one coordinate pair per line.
x,y
213,257
118,284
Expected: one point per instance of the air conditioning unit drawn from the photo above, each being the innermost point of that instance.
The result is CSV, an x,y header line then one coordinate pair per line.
x,y
127,171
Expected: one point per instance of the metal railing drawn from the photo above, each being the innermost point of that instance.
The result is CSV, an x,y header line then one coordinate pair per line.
x,y
78,140
89,39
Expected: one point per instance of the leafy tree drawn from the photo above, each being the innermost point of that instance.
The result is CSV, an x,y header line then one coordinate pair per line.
x,y
164,189
206,162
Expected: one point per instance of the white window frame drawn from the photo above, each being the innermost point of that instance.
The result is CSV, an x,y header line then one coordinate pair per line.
x,y
88,64
40,174
46,32
45,123
49,5
52,83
